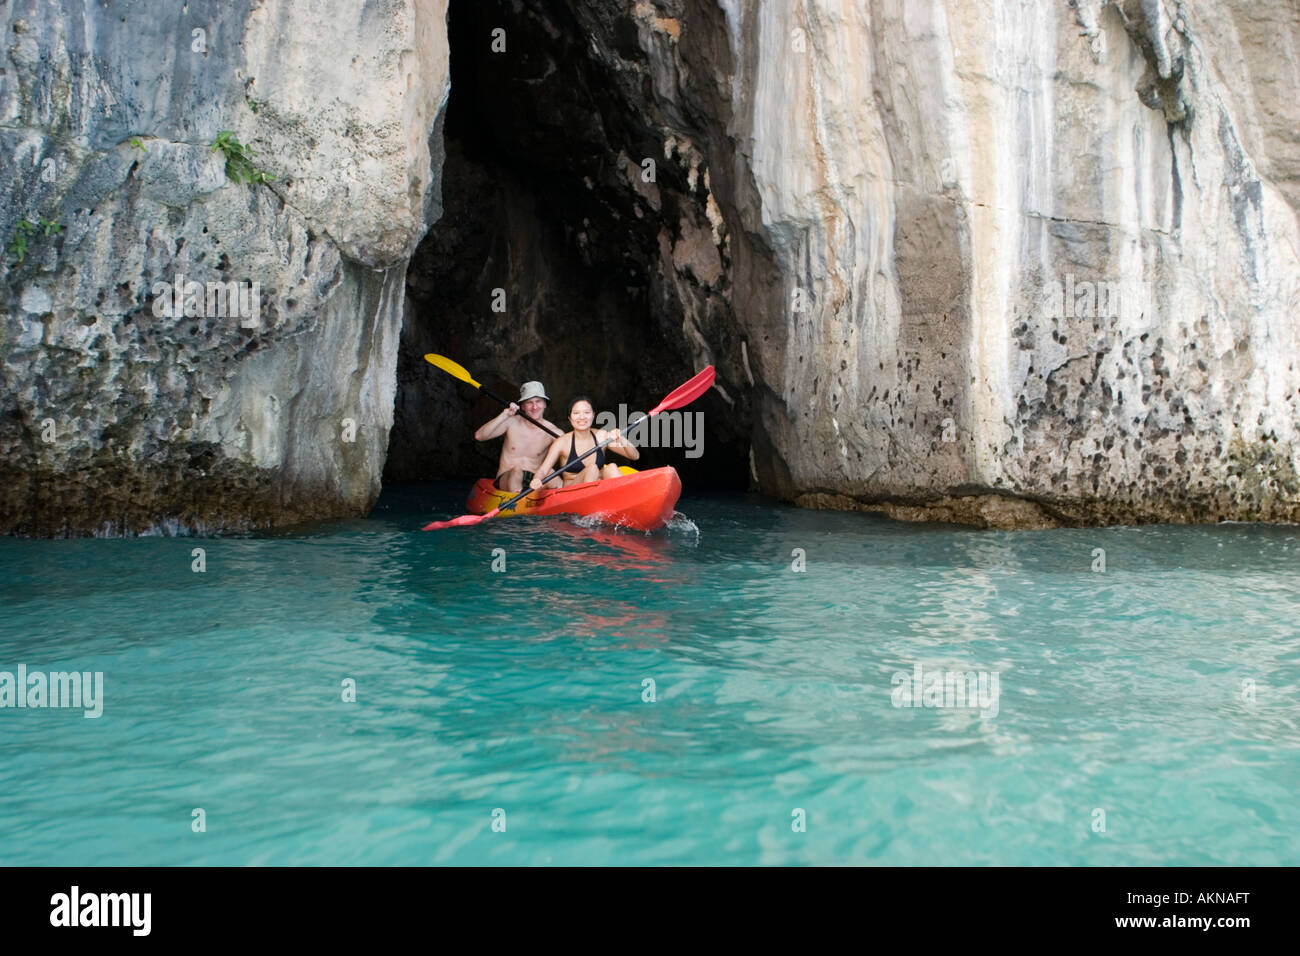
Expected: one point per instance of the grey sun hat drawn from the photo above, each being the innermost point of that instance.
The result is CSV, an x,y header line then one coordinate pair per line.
x,y
533,390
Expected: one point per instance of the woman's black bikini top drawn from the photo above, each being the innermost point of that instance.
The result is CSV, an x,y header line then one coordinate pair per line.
x,y
576,467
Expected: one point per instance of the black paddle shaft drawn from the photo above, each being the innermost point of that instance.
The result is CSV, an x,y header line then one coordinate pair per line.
x,y
586,454
520,413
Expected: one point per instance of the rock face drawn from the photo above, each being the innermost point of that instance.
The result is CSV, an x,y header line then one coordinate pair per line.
x,y
136,395
949,187
1014,264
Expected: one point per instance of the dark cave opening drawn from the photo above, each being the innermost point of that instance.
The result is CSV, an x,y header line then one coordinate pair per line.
x,y
548,218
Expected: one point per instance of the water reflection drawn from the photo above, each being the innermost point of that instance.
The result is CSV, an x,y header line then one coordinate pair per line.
x,y
620,550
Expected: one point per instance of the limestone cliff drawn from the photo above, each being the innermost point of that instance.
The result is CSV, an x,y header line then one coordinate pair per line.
x,y
952,184
124,412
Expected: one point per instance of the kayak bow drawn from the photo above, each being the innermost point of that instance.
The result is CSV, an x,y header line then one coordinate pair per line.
x,y
643,500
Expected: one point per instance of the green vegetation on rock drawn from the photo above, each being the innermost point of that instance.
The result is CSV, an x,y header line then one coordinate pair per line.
x,y
239,159
18,245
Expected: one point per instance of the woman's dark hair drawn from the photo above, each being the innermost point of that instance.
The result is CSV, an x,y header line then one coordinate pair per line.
x,y
581,398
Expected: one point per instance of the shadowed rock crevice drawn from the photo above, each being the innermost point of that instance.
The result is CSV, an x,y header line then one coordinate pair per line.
x,y
571,205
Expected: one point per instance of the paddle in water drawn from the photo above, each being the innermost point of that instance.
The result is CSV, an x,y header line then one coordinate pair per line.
x,y
458,371
680,397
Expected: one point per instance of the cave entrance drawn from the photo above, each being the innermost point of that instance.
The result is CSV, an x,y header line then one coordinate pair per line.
x,y
548,260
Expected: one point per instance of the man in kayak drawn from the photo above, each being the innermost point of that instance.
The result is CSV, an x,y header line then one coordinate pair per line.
x,y
566,449
524,444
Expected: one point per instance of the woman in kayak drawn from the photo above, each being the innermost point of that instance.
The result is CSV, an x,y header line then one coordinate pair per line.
x,y
566,449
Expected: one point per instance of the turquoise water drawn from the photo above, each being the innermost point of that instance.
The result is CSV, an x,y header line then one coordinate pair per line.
x,y
1119,691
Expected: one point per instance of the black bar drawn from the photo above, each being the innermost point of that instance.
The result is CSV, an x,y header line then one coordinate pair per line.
x,y
922,907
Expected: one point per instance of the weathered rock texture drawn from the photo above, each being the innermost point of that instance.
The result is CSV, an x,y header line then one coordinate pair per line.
x,y
929,170
116,419
887,222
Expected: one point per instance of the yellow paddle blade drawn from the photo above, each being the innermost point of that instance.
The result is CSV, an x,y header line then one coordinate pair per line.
x,y
450,367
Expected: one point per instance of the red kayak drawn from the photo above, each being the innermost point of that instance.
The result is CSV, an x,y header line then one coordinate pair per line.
x,y
643,499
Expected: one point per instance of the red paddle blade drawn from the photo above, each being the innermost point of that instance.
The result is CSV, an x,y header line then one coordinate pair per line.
x,y
685,394
460,522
